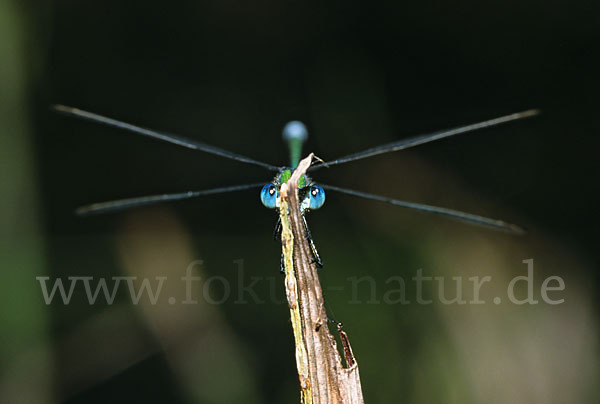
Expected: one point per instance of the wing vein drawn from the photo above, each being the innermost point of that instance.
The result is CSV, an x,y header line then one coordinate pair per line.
x,y
450,213
128,203
426,138
165,137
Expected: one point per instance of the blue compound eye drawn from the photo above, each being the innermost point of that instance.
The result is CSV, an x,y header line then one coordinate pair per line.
x,y
317,197
268,196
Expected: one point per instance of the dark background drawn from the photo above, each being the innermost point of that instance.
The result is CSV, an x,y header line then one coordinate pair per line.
x,y
231,73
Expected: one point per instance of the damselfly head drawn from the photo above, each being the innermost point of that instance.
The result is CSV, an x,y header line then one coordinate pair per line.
x,y
313,197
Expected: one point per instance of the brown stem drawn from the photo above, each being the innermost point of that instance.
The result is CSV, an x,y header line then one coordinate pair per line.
x,y
323,378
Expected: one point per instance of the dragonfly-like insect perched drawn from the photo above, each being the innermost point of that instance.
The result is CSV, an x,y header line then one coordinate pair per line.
x,y
312,194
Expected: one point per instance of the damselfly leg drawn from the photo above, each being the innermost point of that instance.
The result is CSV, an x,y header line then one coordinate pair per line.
x,y
316,257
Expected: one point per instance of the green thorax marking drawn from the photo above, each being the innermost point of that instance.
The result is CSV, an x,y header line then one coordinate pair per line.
x,y
285,175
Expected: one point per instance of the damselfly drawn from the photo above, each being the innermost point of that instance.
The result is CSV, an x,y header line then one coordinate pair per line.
x,y
312,194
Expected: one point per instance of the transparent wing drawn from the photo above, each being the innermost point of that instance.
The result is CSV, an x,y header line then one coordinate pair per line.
x,y
165,137
127,203
453,214
426,138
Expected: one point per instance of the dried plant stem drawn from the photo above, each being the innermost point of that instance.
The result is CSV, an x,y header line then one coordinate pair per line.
x,y
323,378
